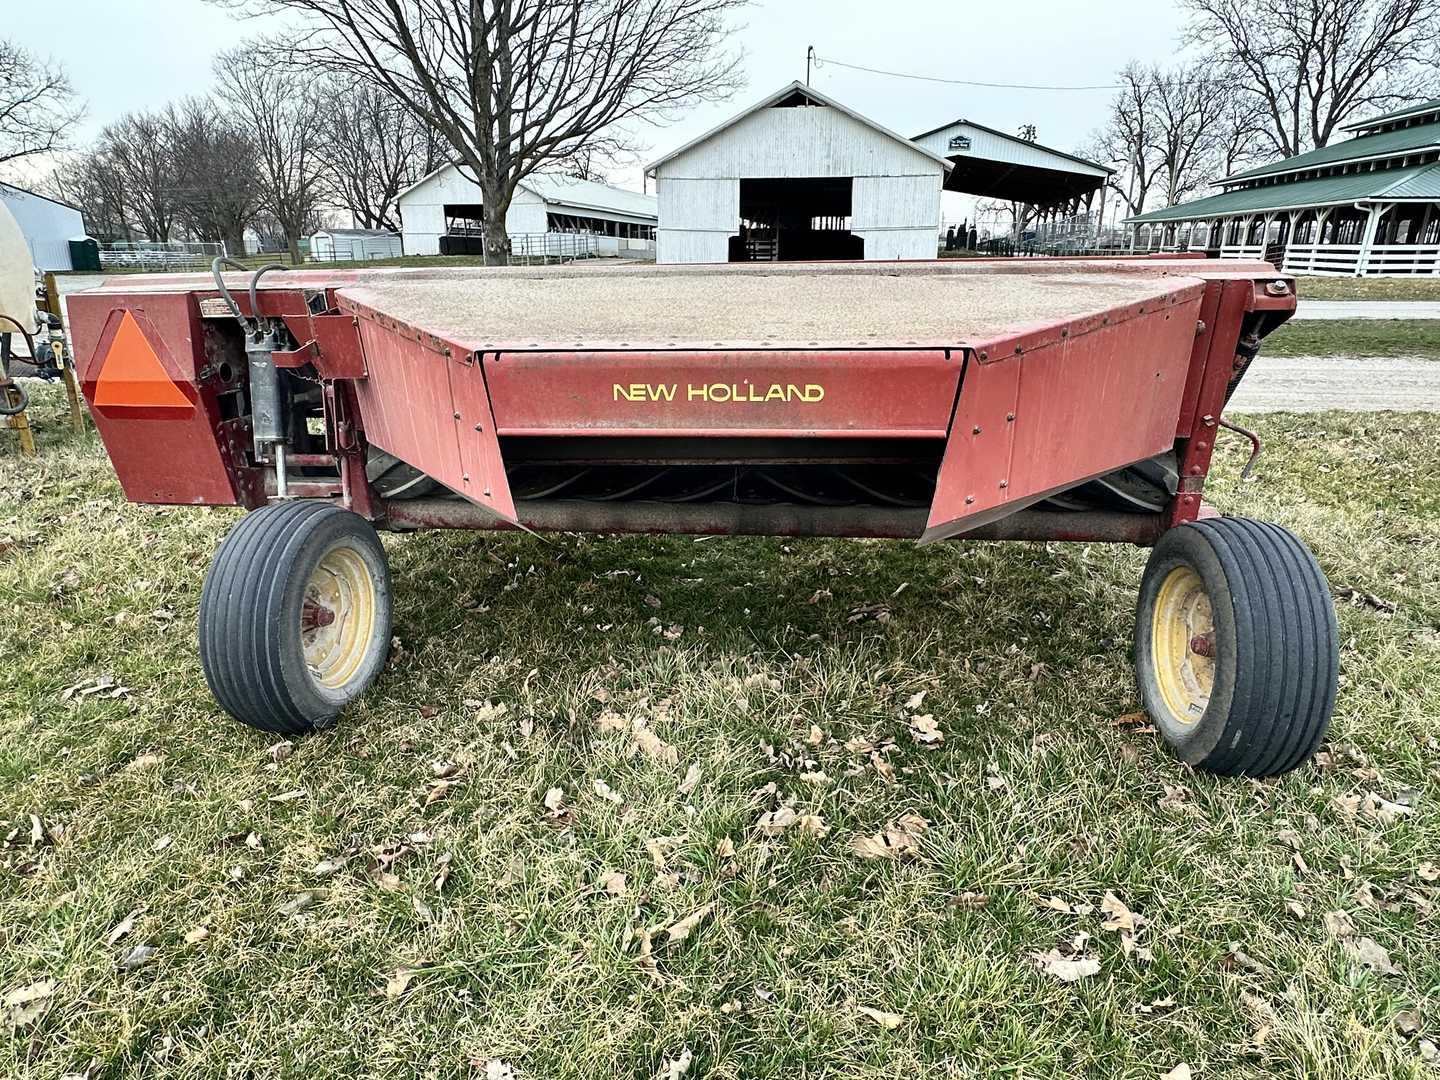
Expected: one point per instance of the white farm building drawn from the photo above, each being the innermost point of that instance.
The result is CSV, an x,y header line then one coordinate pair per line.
x,y
798,176
48,224
333,245
442,214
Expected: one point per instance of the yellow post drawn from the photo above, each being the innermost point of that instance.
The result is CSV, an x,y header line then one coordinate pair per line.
x,y
20,422
61,349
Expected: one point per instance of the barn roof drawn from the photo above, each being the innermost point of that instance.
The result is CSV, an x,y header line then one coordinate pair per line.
x,y
44,198
1385,144
1417,182
997,165
789,90
570,191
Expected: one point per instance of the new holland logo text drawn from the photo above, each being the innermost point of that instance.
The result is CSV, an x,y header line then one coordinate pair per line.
x,y
720,393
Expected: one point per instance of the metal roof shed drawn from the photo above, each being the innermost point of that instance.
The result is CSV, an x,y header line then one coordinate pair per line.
x,y
1366,205
795,176
994,165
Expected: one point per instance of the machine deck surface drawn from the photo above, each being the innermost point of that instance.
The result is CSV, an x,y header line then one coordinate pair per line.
x,y
864,305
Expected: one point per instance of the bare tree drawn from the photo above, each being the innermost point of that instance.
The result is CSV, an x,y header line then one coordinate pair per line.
x,y
1314,64
280,111
372,148
1127,140
514,85
1185,130
216,172
1172,131
37,105
137,152
88,182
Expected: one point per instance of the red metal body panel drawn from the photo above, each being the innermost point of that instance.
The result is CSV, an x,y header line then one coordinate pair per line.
x,y
887,393
1023,415
431,410
163,456
1042,411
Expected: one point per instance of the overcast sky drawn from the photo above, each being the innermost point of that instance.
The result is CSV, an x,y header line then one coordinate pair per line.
x,y
139,54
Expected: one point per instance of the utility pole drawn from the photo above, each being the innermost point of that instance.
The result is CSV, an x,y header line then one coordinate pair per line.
x,y
809,55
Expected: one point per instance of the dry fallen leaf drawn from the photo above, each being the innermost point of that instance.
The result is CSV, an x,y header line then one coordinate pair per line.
x,y
676,1067
288,796
25,1005
812,825
606,792
681,930
555,799
692,778
1179,1072
899,840
137,957
398,983
1369,953
969,900
887,1020
614,883
776,821
654,747
199,934
123,927
926,731
1067,968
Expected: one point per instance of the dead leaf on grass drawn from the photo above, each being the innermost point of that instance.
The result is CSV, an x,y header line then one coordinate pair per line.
x,y
898,841
926,731
676,1067
123,927
775,822
137,957
26,1004
1068,968
1179,1072
300,902
615,883
399,982
1369,953
654,747
606,792
288,796
969,900
887,1020
679,931
197,935
692,778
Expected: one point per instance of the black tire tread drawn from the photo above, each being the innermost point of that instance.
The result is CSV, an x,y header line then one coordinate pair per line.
x,y
239,651
1287,648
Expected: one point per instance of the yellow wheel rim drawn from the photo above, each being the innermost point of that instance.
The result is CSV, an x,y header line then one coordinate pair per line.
x,y
1182,645
337,618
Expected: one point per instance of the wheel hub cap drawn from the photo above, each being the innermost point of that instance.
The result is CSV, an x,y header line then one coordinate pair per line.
x,y
337,619
1183,645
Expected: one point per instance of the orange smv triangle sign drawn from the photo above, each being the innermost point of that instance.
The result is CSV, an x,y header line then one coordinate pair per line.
x,y
132,374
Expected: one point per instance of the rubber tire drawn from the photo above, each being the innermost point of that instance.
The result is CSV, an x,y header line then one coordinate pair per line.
x,y
250,644
1277,647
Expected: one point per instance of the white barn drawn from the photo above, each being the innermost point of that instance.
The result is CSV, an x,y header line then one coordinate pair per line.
x,y
798,176
48,224
442,214
334,245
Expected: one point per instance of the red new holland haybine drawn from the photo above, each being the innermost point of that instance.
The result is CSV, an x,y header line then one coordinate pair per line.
x,y
1037,400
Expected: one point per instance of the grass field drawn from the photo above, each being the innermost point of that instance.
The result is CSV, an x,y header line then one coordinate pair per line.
x,y
1356,337
600,817
1369,288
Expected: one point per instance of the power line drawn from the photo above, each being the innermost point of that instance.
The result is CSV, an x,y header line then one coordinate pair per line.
x,y
819,62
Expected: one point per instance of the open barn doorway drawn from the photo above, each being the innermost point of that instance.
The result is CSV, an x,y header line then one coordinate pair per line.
x,y
786,219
